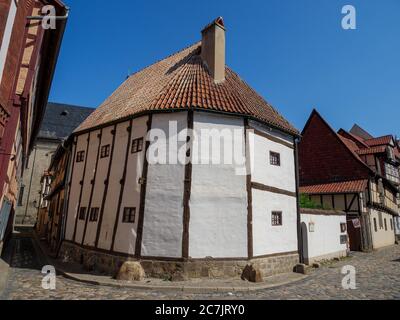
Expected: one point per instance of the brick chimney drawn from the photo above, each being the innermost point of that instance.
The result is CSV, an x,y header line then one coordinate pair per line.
x,y
213,49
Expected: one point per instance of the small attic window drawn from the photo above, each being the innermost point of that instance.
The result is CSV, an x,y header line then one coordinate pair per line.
x,y
64,113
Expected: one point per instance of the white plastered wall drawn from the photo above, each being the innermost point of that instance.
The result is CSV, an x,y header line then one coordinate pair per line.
x,y
163,215
125,239
87,186
382,237
218,204
268,239
76,177
117,168
325,240
99,185
283,176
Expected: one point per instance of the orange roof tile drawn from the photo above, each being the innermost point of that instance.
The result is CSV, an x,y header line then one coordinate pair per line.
x,y
373,150
180,82
336,187
379,141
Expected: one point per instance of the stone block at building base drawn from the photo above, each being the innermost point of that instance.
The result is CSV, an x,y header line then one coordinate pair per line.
x,y
251,274
131,271
301,268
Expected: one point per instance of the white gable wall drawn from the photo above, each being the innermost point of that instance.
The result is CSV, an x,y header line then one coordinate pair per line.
x,y
218,204
283,176
125,240
117,168
76,177
163,215
268,239
87,186
99,186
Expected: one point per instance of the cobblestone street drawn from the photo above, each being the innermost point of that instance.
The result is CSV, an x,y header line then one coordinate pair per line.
x,y
378,277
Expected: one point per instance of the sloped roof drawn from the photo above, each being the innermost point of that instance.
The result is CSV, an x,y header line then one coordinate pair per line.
x,y
360,132
385,140
336,187
372,150
60,120
180,82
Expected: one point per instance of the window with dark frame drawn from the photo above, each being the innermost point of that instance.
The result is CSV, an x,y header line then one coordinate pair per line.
x,y
137,145
82,213
274,158
276,218
343,227
391,224
94,214
385,224
375,225
80,156
105,151
129,215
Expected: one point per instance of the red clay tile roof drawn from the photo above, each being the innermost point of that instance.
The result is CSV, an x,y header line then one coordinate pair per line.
x,y
180,82
336,187
379,141
373,150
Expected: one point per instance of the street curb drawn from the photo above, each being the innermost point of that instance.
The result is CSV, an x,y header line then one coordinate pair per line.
x,y
186,289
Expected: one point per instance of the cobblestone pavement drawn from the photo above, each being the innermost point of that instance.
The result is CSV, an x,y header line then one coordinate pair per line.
x,y
378,277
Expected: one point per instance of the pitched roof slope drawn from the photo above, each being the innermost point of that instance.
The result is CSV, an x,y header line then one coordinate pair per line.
x,y
180,82
60,120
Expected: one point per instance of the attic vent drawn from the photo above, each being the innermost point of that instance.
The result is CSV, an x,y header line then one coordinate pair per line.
x,y
64,113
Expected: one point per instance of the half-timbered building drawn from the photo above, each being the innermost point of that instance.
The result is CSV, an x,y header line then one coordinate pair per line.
x,y
196,218
354,172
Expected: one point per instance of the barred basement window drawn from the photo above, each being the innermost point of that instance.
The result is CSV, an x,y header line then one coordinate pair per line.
x,y
82,213
80,156
375,225
94,214
275,158
276,218
343,227
137,145
129,215
105,151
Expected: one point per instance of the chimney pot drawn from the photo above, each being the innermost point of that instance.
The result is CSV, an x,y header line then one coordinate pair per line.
x,y
213,49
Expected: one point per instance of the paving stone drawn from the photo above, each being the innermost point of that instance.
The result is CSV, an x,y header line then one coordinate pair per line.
x,y
377,277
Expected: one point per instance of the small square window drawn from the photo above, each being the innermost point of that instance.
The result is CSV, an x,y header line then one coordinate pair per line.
x,y
343,227
137,145
275,158
276,218
80,156
94,214
82,213
129,215
105,151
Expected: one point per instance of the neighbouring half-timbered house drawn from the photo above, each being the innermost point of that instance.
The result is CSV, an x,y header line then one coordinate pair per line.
x,y
353,172
204,218
28,57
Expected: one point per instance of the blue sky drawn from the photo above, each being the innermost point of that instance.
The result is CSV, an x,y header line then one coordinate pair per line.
x,y
293,52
